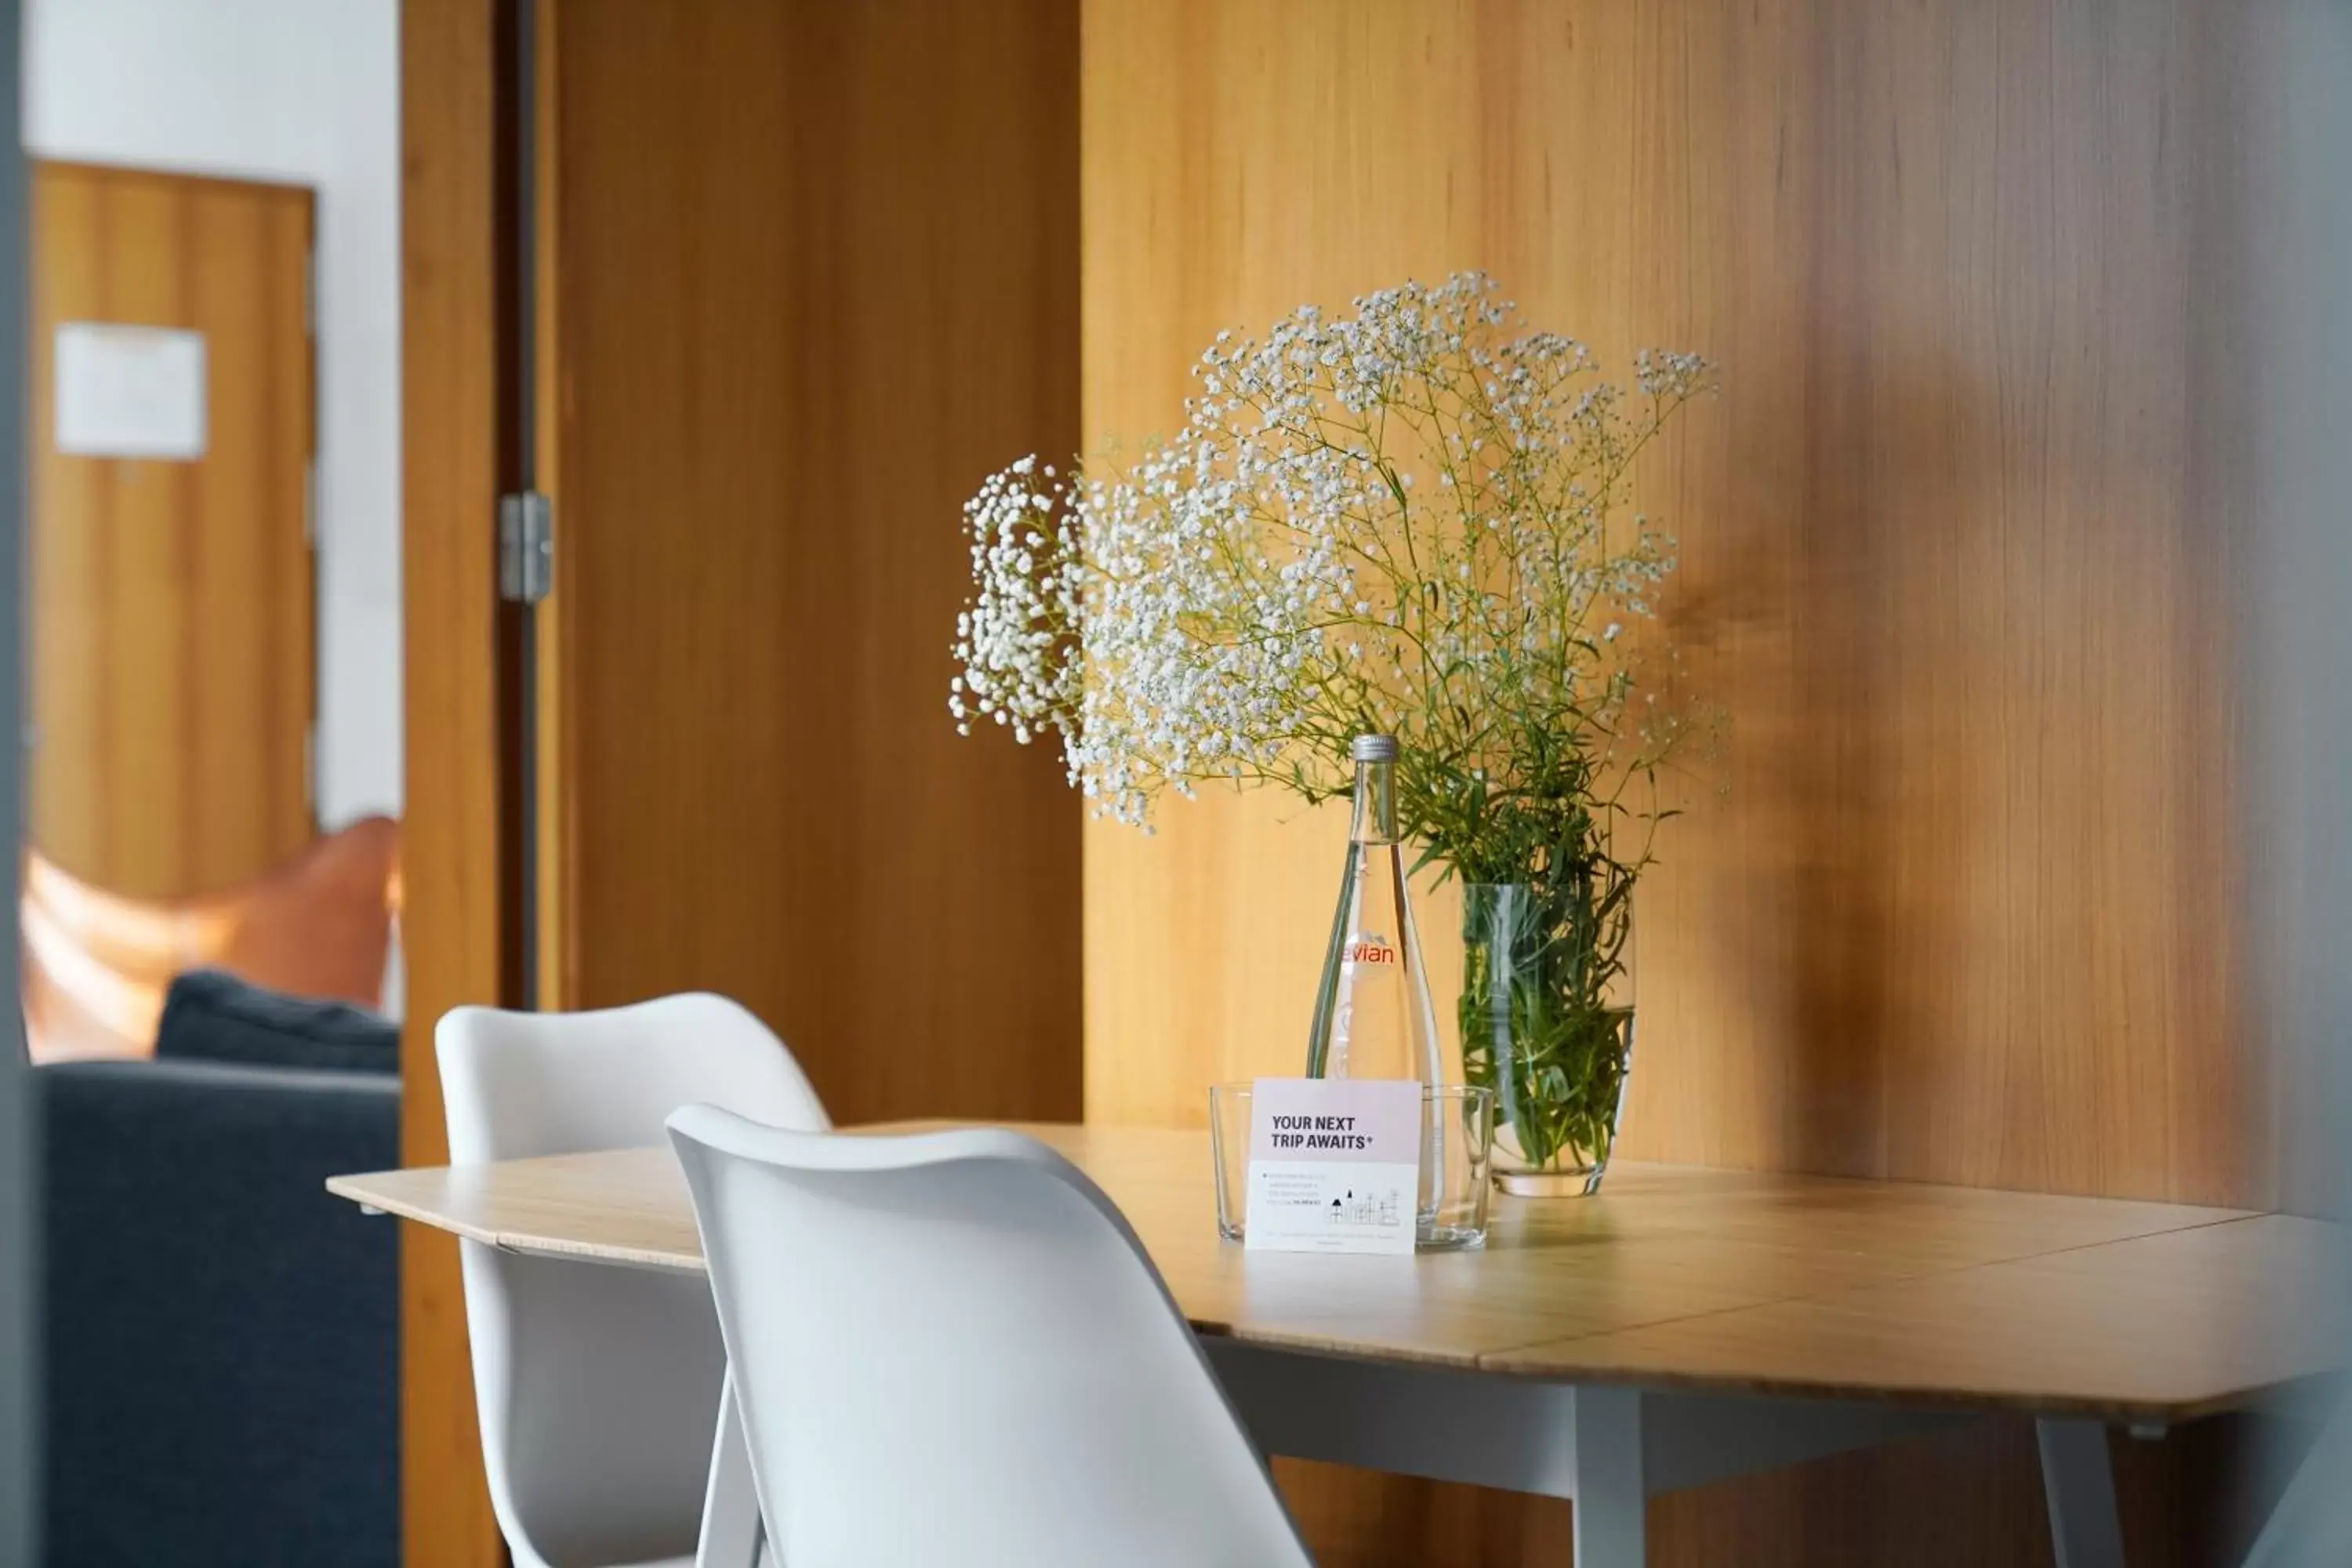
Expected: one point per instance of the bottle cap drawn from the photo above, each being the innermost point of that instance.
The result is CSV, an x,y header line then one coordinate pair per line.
x,y
1376,749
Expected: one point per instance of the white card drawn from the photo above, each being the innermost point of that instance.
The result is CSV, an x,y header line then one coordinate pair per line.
x,y
1335,1166
129,392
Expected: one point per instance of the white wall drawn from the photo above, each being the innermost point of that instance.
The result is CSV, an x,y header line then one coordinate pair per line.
x,y
301,90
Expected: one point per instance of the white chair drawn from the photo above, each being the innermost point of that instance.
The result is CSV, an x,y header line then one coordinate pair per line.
x,y
599,1388
951,1348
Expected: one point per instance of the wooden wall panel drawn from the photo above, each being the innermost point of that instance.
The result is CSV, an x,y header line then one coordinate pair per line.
x,y
1956,901
818,269
173,669
450,838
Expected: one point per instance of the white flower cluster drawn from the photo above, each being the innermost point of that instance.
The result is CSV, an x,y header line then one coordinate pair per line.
x,y
1016,639
1402,520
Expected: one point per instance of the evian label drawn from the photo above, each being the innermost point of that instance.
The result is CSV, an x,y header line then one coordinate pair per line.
x,y
1365,947
1335,1166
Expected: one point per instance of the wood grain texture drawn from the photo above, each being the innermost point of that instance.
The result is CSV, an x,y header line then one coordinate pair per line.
x,y
1984,1478
173,668
1957,902
1680,1277
817,276
451,908
2186,1322
558,956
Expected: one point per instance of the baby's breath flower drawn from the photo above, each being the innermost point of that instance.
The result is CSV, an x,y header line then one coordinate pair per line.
x,y
1391,520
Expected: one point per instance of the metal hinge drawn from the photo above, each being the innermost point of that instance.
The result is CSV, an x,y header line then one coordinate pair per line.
x,y
526,547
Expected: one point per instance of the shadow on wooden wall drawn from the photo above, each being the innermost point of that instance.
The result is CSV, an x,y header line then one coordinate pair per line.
x,y
1958,900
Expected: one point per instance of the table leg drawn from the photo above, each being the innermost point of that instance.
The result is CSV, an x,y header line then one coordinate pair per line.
x,y
1612,1494
2080,1486
732,1531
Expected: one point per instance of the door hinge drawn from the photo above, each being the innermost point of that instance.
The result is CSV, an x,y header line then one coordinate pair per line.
x,y
526,547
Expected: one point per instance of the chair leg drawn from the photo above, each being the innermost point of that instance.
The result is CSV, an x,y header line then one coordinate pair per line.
x,y
731,1529
2313,1520
1611,1493
2080,1486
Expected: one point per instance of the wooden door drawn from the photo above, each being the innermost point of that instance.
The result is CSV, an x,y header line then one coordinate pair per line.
x,y
770,359
771,364
172,612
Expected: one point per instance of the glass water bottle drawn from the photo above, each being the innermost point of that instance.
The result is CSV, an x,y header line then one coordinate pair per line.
x,y
1372,1016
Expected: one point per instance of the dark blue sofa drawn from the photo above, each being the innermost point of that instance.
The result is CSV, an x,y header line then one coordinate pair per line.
x,y
221,1335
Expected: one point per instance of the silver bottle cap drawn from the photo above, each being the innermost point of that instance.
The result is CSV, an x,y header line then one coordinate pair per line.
x,y
1375,749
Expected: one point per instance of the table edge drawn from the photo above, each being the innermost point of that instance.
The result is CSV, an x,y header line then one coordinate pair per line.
x,y
359,1188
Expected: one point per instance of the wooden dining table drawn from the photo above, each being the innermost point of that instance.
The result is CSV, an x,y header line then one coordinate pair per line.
x,y
1685,1325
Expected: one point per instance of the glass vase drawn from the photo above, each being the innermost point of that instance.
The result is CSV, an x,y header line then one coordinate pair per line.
x,y
1547,1015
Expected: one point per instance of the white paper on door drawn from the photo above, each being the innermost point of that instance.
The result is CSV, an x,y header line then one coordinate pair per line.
x,y
129,392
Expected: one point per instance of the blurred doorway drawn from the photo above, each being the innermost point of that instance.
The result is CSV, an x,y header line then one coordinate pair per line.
x,y
173,659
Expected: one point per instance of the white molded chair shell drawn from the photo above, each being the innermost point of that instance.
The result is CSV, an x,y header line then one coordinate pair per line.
x,y
951,1348
598,1388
